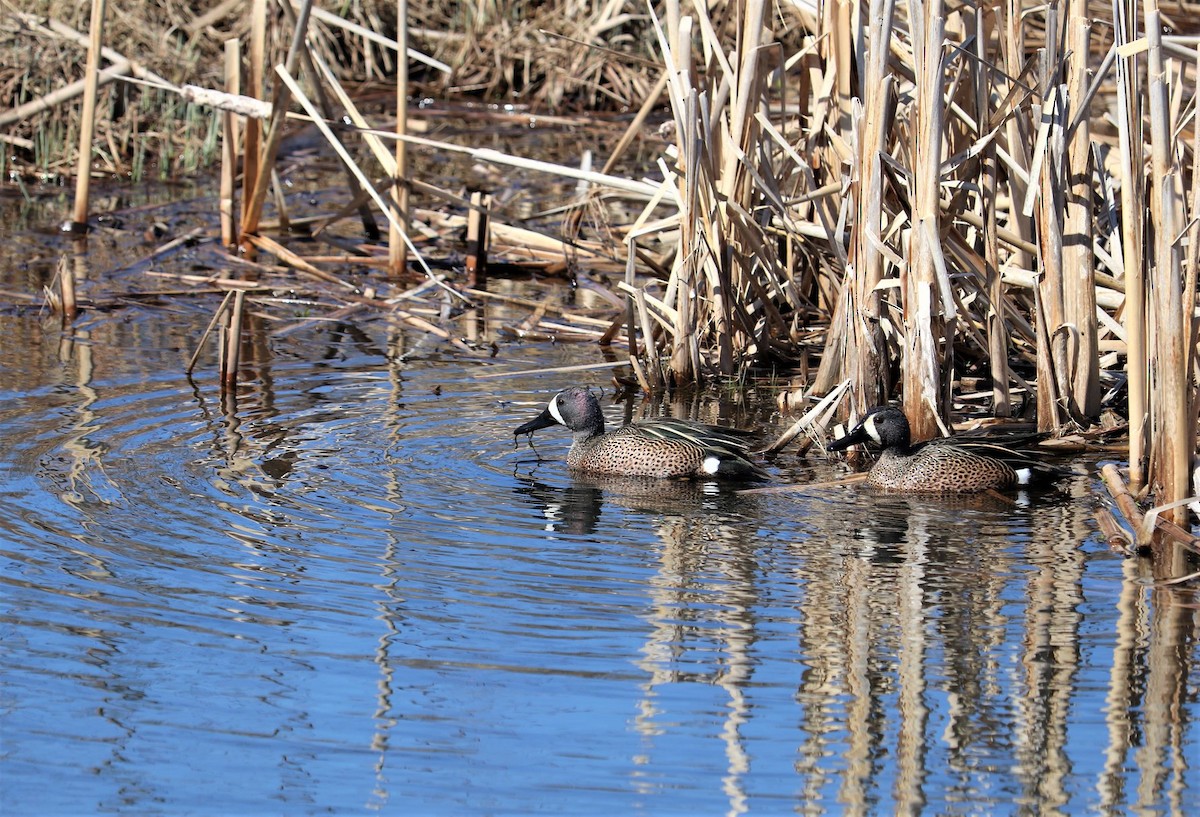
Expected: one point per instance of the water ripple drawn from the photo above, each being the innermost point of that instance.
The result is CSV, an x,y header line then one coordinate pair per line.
x,y
348,585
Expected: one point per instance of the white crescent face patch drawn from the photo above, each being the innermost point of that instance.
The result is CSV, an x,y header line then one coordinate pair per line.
x,y
554,412
869,427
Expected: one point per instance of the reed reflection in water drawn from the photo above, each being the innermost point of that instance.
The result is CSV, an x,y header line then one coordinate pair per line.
x,y
345,589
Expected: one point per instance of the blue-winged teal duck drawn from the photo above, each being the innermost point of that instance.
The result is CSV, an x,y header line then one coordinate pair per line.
x,y
940,466
663,448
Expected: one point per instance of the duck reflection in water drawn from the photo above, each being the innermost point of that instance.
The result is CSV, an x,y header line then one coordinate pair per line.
x,y
576,508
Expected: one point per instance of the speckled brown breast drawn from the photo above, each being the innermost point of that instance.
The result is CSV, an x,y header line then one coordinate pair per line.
x,y
940,469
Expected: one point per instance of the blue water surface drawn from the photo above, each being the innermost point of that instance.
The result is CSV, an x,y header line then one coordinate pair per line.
x,y
348,590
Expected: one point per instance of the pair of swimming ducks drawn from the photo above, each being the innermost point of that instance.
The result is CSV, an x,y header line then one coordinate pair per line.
x,y
668,448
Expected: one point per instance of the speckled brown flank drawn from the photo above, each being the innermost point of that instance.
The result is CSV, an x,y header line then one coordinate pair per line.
x,y
664,448
938,466
630,450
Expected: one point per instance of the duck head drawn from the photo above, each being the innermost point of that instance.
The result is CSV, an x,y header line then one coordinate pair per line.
x,y
576,408
884,425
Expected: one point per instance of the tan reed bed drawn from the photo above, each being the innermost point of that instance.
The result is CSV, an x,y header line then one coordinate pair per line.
x,y
965,150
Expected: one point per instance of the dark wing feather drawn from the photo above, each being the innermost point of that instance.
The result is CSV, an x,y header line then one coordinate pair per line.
x,y
1040,472
730,445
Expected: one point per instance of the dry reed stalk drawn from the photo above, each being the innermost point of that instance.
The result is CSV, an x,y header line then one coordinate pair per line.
x,y
631,318
844,15
1125,500
477,240
1129,129
1118,540
87,125
733,237
158,252
253,204
418,322
925,286
308,56
296,262
865,271
256,89
231,349
1145,527
579,367
681,287
217,315
66,288
997,330
1191,354
814,421
371,138
281,208
397,230
519,242
633,187
212,16
808,487
64,94
1018,134
1044,200
655,363
635,125
566,314
218,283
229,146
1079,282
1173,442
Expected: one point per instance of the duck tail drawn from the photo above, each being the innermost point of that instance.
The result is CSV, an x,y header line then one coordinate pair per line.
x,y
1035,474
